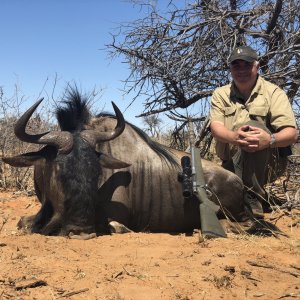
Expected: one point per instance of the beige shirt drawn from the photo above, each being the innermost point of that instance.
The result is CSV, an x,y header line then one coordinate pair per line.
x,y
267,103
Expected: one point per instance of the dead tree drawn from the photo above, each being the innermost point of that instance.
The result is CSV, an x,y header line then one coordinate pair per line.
x,y
152,123
177,58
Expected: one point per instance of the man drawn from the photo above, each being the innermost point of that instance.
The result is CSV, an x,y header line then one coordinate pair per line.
x,y
253,123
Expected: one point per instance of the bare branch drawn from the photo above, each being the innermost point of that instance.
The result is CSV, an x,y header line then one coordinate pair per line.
x,y
179,57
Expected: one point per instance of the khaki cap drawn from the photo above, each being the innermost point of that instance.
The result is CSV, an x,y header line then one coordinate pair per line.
x,y
244,53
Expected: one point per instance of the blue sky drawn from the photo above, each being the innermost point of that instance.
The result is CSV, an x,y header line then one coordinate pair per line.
x,y
44,38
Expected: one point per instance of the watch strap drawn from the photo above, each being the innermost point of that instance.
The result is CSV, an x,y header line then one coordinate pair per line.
x,y
272,141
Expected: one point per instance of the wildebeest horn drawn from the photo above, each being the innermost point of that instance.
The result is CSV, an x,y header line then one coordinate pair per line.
x,y
93,137
62,140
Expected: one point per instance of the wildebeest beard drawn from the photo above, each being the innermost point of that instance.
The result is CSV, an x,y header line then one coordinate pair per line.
x,y
79,177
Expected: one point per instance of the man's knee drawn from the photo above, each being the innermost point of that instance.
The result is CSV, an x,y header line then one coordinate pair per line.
x,y
258,124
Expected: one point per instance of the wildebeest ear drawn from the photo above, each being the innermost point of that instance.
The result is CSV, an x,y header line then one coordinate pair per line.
x,y
23,160
31,158
110,162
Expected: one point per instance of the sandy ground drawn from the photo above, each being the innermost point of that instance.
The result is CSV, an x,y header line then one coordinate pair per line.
x,y
145,265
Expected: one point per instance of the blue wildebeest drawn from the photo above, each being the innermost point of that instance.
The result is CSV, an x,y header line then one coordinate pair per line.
x,y
98,169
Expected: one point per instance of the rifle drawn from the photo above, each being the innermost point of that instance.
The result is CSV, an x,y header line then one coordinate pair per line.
x,y
193,184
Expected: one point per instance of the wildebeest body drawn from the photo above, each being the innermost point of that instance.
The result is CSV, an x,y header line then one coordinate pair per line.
x,y
84,184
148,196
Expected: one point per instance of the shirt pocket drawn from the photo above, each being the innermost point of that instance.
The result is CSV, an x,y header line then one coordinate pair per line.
x,y
229,111
260,111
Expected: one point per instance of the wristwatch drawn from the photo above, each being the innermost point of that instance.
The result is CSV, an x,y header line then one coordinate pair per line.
x,y
272,141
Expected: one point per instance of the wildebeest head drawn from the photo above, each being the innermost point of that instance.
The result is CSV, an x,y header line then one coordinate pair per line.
x,y
68,167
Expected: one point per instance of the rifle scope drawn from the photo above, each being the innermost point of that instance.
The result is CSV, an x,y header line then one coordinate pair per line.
x,y
186,177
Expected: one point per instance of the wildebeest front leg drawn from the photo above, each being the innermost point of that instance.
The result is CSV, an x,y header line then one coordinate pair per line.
x,y
26,223
34,223
53,226
82,236
42,217
116,227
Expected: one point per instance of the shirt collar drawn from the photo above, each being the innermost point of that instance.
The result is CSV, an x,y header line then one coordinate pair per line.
x,y
258,89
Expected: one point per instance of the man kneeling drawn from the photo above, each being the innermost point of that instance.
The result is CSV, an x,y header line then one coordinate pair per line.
x,y
253,123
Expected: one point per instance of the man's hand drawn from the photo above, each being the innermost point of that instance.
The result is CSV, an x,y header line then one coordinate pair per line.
x,y
252,139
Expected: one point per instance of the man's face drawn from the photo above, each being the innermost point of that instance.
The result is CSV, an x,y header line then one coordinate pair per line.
x,y
243,72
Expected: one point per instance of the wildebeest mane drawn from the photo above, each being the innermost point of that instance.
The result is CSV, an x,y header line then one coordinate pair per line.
x,y
160,149
75,112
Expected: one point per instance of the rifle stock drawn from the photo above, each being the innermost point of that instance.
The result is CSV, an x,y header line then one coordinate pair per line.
x,y
210,225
